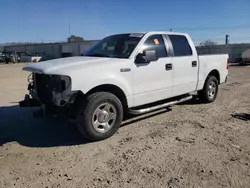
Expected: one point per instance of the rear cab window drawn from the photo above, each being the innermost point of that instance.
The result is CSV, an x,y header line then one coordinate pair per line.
x,y
180,45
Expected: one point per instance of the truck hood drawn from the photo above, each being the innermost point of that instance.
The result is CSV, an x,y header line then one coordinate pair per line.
x,y
60,65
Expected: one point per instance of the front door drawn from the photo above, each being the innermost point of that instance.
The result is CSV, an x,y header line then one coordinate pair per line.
x,y
153,81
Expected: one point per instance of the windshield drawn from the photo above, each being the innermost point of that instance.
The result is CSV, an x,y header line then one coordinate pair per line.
x,y
116,46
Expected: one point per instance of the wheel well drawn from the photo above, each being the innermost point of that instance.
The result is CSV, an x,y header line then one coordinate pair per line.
x,y
216,74
118,92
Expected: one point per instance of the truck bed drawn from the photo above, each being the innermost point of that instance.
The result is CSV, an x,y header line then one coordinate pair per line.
x,y
209,63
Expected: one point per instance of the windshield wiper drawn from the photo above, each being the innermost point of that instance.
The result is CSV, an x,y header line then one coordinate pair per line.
x,y
98,55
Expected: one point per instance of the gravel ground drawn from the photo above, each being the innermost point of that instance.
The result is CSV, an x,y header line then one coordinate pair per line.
x,y
194,145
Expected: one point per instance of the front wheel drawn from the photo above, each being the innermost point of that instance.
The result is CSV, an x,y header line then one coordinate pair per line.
x,y
210,90
99,116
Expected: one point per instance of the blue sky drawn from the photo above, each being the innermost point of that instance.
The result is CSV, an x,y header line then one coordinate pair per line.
x,y
48,20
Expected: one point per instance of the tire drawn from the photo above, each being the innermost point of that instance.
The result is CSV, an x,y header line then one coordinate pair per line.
x,y
99,116
207,94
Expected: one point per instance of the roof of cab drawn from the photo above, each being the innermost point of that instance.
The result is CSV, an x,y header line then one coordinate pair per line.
x,y
156,32
165,32
141,34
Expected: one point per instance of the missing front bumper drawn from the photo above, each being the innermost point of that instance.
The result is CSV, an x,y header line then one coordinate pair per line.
x,y
29,102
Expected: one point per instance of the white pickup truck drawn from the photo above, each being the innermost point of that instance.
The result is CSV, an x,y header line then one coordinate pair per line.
x,y
131,73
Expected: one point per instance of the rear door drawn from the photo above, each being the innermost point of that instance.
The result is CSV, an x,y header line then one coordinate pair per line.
x,y
185,65
153,81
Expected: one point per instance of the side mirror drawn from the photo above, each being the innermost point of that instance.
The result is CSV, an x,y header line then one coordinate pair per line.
x,y
150,55
146,57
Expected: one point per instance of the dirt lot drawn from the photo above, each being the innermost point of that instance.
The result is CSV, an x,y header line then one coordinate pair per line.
x,y
194,145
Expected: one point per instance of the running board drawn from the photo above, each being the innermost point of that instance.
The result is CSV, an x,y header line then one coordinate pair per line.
x,y
158,107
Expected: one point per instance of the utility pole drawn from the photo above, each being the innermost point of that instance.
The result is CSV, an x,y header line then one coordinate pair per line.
x,y
69,29
227,40
69,39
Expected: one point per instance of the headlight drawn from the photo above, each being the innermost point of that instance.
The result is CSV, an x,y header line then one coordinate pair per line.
x,y
60,83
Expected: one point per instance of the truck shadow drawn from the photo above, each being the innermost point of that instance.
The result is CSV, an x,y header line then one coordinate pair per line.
x,y
194,101
137,118
18,125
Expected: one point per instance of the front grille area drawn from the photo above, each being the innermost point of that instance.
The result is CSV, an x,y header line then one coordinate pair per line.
x,y
44,87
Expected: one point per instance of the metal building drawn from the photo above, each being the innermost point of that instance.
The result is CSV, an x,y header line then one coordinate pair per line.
x,y
51,50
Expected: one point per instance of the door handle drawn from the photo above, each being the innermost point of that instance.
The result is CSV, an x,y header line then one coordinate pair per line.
x,y
194,63
168,66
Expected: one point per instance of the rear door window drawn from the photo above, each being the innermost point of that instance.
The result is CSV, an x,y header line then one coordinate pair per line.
x,y
180,45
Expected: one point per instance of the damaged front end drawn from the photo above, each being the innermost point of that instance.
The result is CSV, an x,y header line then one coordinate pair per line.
x,y
51,92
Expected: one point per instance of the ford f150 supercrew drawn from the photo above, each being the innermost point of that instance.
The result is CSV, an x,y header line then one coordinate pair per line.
x,y
131,73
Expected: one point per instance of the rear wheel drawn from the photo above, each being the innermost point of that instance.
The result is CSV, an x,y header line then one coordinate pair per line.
x,y
210,90
99,116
